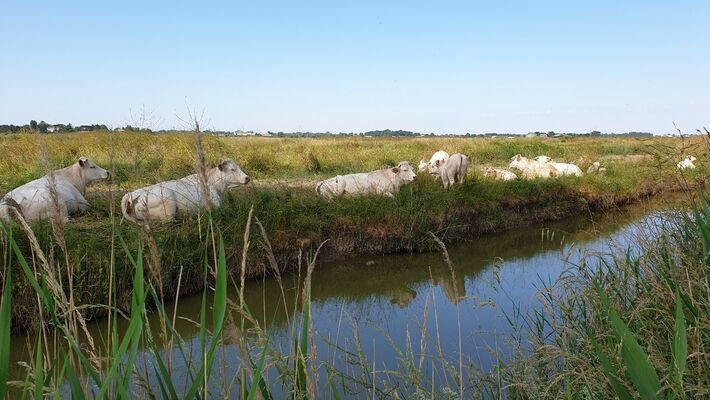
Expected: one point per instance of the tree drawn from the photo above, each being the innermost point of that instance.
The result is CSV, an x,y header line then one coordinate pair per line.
x,y
33,125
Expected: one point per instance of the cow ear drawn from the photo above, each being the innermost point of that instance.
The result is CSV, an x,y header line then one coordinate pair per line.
x,y
82,161
395,170
222,164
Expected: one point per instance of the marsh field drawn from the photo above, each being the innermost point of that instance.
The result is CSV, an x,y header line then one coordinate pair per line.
x,y
277,274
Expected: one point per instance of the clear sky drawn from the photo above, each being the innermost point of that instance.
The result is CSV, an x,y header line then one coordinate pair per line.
x,y
430,66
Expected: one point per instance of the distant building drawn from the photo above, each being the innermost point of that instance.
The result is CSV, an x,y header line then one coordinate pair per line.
x,y
244,133
240,132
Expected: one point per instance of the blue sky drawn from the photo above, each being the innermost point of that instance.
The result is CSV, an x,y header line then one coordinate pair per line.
x,y
443,67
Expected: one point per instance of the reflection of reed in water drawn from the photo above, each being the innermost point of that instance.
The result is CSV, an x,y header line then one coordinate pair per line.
x,y
454,286
402,297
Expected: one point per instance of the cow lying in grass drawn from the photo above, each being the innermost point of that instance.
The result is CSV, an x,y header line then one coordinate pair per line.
x,y
532,169
500,174
35,200
166,200
596,168
562,168
687,163
386,182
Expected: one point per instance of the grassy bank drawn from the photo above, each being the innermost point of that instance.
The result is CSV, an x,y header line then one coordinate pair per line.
x,y
296,219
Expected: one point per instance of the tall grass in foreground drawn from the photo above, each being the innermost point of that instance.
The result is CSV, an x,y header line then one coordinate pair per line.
x,y
71,367
634,324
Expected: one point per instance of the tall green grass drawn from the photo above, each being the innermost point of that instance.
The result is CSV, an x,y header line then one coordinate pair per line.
x,y
632,324
114,373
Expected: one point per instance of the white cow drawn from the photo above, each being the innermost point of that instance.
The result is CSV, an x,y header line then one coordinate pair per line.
x,y
386,182
596,167
35,200
499,173
562,168
435,162
454,170
532,169
687,162
166,200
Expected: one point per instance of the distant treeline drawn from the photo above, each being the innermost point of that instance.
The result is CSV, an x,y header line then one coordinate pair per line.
x,y
592,133
44,127
379,133
402,133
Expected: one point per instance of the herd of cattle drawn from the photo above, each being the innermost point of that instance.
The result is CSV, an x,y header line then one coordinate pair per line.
x,y
62,191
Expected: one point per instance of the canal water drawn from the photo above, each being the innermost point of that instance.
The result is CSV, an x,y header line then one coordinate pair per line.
x,y
367,311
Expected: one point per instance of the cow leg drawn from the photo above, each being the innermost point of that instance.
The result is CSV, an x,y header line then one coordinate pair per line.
x,y
47,211
63,211
450,180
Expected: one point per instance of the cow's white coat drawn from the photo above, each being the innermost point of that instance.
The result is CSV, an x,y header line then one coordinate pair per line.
x,y
562,168
166,200
386,182
500,174
532,169
435,162
454,169
687,163
35,199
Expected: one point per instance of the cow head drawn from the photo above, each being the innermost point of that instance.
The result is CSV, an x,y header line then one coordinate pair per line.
x,y
543,159
90,171
405,171
435,167
423,166
231,175
518,161
691,158
490,172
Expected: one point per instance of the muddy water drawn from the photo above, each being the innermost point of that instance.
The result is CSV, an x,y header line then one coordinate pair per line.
x,y
380,301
